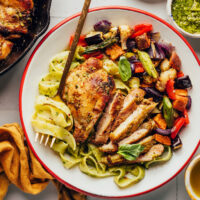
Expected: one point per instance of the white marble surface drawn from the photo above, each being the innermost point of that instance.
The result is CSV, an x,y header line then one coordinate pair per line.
x,y
10,82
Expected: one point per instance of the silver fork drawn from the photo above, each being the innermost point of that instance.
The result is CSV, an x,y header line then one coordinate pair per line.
x,y
45,138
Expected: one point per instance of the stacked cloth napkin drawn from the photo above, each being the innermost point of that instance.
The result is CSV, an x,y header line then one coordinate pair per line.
x,y
19,166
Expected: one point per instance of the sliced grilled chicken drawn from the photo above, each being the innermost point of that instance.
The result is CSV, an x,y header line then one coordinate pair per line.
x,y
116,159
134,120
140,133
147,143
155,151
88,90
105,124
5,47
109,148
134,97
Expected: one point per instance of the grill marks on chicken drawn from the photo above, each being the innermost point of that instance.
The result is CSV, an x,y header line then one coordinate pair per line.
x,y
105,124
133,121
88,90
131,101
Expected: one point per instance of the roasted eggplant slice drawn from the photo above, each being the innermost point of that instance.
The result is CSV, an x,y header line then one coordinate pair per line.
x,y
94,38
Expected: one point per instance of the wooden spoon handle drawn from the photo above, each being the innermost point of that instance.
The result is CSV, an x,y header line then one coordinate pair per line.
x,y
74,45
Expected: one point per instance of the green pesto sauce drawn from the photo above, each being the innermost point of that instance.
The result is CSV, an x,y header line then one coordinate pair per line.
x,y
186,14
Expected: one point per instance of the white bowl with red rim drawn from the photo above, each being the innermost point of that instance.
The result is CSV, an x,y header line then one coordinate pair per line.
x,y
55,41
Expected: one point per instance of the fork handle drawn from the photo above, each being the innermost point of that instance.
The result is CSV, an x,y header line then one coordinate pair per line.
x,y
74,45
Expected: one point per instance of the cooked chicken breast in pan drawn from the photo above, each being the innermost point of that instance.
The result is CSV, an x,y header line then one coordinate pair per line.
x,y
5,47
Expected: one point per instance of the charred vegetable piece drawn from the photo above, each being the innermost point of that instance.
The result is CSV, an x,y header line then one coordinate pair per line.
x,y
143,41
163,139
183,82
155,36
168,112
140,29
180,103
124,68
103,26
125,32
114,51
156,52
160,121
189,103
147,64
134,82
175,61
167,48
131,44
100,46
151,92
164,66
170,89
176,143
166,132
94,38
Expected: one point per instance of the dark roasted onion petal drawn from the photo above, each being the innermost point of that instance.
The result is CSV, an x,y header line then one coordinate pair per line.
x,y
131,44
165,132
183,82
189,104
103,26
176,143
151,92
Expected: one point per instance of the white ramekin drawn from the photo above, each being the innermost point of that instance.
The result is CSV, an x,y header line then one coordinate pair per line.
x,y
188,171
169,12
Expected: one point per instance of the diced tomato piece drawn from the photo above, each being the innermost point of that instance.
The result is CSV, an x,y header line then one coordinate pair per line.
x,y
139,68
81,41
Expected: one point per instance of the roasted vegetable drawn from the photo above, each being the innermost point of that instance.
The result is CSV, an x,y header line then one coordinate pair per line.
x,y
175,61
156,52
134,82
124,69
164,77
131,44
166,132
151,92
94,38
163,139
178,125
147,64
125,32
164,66
140,29
160,121
170,89
167,48
180,103
114,51
155,36
100,46
176,143
138,67
103,26
189,103
168,112
143,41
113,32
183,82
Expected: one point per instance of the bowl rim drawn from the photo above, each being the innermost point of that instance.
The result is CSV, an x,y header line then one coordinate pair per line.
x,y
169,12
24,76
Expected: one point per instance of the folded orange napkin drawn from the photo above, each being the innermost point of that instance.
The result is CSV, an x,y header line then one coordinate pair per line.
x,y
19,166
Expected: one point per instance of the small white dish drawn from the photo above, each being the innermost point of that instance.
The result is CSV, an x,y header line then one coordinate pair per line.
x,y
55,41
188,171
172,21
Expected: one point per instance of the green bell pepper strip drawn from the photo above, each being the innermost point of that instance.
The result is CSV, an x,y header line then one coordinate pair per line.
x,y
147,64
168,112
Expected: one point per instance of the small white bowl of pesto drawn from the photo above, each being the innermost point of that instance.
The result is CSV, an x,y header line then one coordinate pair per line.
x,y
185,16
